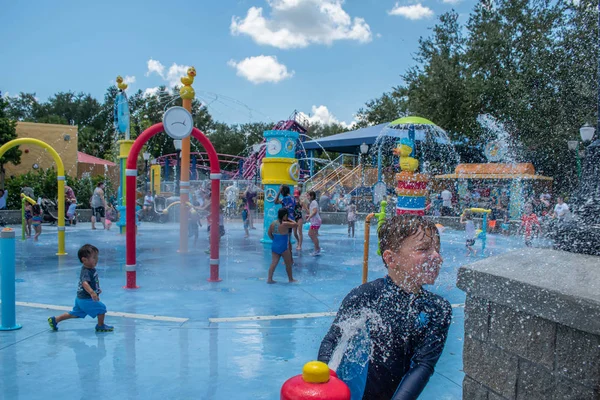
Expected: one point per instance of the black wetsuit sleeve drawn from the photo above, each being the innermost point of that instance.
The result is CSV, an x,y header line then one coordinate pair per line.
x,y
348,308
426,355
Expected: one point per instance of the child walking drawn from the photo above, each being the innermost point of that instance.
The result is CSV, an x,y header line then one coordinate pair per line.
x,y
467,219
315,223
71,211
36,220
529,223
279,232
87,301
351,214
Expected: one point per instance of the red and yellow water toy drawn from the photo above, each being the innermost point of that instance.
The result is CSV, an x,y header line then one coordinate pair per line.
x,y
316,382
412,186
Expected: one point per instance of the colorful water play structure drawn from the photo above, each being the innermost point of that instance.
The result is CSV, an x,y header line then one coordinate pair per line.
x,y
481,233
279,167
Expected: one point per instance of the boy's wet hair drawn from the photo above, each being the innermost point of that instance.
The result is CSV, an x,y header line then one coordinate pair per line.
x,y
86,251
396,229
312,195
285,190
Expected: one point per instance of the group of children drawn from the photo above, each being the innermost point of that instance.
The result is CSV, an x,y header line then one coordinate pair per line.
x,y
290,220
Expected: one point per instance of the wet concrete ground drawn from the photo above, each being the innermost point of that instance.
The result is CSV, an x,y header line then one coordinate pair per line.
x,y
180,353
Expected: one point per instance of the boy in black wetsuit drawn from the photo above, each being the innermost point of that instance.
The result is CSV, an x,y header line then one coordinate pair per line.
x,y
405,327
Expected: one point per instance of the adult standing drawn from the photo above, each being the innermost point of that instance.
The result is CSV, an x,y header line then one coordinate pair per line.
x,y
250,196
98,204
446,202
561,209
299,218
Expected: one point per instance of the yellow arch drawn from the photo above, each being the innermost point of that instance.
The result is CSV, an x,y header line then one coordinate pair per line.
x,y
60,179
27,198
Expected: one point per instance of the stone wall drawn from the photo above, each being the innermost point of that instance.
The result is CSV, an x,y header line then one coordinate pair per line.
x,y
532,326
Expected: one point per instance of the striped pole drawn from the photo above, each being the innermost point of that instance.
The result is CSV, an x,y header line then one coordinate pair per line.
x,y
8,263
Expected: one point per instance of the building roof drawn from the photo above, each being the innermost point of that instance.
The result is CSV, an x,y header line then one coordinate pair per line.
x,y
349,142
87,159
494,171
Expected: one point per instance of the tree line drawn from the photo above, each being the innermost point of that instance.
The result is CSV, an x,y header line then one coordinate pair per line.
x,y
529,64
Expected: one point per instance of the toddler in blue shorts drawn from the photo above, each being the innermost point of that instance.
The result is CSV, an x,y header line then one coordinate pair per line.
x,y
87,301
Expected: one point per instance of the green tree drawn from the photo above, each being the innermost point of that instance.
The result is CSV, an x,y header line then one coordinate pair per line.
x,y
8,132
388,107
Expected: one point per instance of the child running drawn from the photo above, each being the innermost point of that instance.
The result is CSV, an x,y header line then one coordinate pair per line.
x,y
315,223
36,221
401,328
529,223
279,232
467,219
87,301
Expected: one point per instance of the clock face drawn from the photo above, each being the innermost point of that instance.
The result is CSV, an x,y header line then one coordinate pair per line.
x,y
178,122
273,146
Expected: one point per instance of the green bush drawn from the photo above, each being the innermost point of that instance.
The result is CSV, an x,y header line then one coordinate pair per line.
x,y
44,184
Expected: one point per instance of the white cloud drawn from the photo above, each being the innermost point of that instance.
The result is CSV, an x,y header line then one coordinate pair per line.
x,y
451,1
174,73
261,69
151,91
322,115
414,12
129,79
156,67
299,23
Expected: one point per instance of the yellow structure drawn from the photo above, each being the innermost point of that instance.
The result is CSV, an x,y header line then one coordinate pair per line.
x,y
155,178
315,372
120,83
60,178
187,91
62,138
279,170
187,95
407,163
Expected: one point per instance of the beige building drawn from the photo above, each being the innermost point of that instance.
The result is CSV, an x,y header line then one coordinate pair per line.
x,y
63,139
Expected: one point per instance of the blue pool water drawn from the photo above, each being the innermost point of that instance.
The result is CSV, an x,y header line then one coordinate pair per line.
x,y
194,357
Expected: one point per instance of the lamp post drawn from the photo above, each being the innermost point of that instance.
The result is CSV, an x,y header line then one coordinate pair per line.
x,y
177,144
574,146
364,149
146,156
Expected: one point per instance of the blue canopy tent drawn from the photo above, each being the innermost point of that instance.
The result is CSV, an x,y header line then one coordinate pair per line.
x,y
417,128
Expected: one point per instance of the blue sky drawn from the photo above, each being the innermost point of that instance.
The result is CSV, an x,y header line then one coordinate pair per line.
x,y
263,59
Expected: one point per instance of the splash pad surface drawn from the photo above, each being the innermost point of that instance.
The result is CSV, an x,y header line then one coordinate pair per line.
x,y
180,336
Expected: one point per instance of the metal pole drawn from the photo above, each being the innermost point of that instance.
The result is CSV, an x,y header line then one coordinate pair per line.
x,y
8,264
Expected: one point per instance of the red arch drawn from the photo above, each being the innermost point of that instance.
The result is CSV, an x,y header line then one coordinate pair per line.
x,y
131,174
